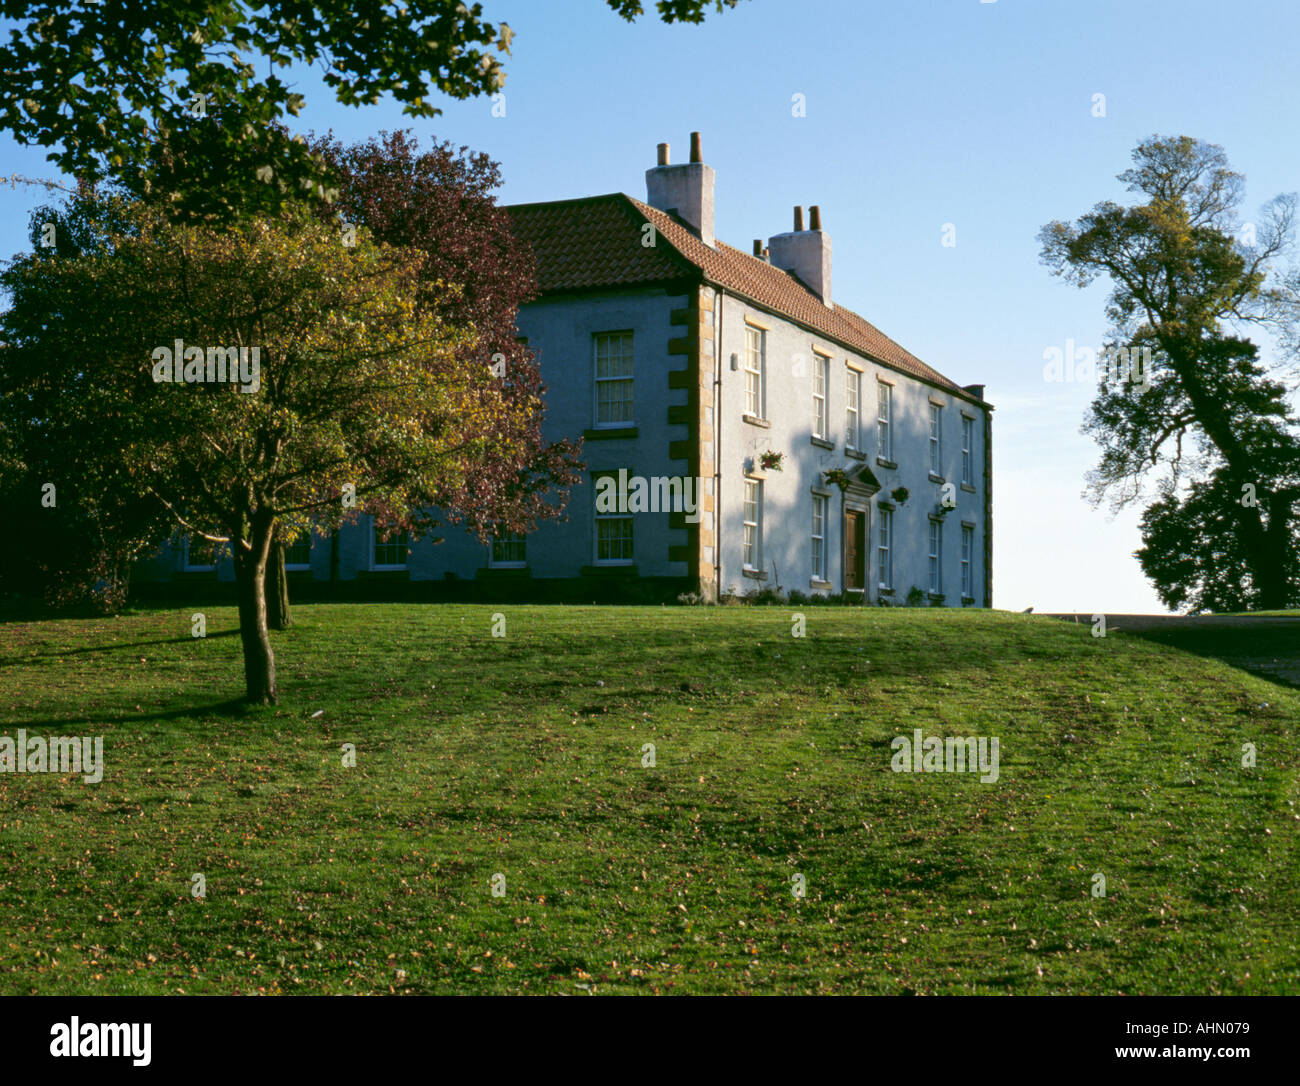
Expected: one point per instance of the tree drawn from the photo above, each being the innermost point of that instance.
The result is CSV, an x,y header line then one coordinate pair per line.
x,y
440,202
72,527
344,384
1194,553
1184,277
277,587
69,533
166,97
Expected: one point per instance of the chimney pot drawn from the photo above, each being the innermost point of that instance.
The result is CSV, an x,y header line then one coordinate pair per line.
x,y
805,253
685,190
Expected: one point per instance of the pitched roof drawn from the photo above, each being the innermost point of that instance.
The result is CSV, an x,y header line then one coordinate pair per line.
x,y
573,243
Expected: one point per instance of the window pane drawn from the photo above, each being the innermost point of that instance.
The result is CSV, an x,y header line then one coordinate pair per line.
x,y
819,400
883,550
967,553
851,409
935,534
509,547
884,412
614,539
614,372
819,537
754,351
298,553
202,553
750,555
390,548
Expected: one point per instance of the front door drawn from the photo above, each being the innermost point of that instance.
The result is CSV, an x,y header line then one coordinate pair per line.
x,y
855,551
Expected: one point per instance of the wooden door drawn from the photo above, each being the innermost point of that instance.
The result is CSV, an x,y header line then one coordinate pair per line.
x,y
855,550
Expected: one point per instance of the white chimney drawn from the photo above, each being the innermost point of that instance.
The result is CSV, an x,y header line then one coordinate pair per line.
x,y
807,253
686,190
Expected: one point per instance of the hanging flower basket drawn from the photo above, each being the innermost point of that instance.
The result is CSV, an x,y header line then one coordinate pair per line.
x,y
900,494
771,461
839,477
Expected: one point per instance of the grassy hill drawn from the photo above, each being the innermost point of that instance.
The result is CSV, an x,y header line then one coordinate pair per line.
x,y
522,756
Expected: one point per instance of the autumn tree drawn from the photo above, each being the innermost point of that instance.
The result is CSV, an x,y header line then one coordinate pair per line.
x,y
355,388
1205,421
440,203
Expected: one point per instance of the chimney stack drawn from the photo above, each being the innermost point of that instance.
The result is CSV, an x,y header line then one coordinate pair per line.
x,y
686,190
806,253
758,247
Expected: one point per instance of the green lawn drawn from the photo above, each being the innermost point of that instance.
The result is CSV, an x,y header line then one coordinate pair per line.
x,y
522,756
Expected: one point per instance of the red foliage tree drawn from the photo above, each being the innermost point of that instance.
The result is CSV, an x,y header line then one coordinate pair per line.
x,y
440,202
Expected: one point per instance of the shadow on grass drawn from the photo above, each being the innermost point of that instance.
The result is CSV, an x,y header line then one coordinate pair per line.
x,y
229,709
1268,650
15,610
16,661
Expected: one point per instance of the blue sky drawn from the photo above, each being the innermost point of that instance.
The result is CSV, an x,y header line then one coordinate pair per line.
x,y
918,114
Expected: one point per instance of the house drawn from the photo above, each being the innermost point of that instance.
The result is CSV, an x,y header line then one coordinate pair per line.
x,y
742,431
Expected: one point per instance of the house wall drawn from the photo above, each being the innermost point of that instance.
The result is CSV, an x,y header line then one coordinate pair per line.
x,y
561,329
676,412
786,551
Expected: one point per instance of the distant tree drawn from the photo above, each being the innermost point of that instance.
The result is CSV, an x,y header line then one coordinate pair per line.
x,y
69,536
1184,275
166,96
72,526
1195,554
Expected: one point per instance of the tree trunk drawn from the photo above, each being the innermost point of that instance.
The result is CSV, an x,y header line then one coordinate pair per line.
x,y
1275,594
1265,552
250,584
1265,549
277,590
